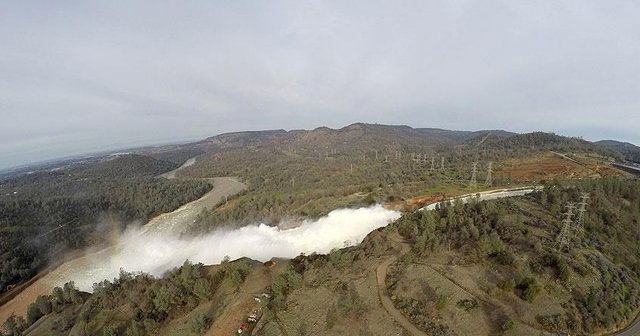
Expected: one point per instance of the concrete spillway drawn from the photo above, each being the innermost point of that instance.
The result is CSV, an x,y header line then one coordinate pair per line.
x,y
485,196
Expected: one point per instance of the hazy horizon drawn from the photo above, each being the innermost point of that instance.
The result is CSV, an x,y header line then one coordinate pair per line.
x,y
133,146
88,77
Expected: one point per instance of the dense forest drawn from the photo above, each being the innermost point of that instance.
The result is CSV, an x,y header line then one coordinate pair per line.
x,y
47,213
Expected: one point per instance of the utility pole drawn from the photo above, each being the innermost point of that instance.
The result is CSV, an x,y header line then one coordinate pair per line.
x,y
473,183
488,182
581,210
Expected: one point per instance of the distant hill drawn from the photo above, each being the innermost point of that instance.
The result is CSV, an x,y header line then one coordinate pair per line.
x,y
128,165
630,151
240,139
358,137
520,144
464,136
366,138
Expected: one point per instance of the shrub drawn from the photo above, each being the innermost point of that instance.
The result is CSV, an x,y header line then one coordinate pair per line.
x,y
441,301
529,288
502,257
200,323
507,285
468,304
331,318
507,324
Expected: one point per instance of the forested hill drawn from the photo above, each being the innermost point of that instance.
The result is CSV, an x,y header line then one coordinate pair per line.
x,y
125,166
365,138
46,213
630,151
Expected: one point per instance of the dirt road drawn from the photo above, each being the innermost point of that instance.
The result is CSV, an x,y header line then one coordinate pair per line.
x,y
381,276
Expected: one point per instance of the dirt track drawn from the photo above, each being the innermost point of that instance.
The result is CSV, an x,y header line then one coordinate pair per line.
x,y
381,276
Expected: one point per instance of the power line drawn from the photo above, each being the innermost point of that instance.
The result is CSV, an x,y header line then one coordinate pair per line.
x,y
566,232
473,182
488,182
581,210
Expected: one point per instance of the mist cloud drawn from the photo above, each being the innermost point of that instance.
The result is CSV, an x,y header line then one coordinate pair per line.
x,y
155,253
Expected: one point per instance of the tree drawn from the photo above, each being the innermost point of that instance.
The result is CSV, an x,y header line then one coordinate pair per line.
x,y
15,325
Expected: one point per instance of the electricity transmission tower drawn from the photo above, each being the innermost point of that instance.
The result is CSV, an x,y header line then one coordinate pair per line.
x,y
488,182
442,163
581,210
473,182
566,233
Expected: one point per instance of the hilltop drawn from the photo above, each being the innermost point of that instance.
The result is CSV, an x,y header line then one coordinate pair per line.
x,y
630,151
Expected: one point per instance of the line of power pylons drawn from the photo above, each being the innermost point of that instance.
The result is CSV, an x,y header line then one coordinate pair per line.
x,y
473,182
421,158
572,222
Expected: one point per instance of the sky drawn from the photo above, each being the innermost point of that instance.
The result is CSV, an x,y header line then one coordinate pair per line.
x,y
84,76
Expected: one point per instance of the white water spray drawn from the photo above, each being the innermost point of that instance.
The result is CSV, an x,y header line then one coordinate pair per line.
x,y
155,253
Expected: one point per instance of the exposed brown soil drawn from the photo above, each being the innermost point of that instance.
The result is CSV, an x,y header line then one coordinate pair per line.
x,y
243,302
549,166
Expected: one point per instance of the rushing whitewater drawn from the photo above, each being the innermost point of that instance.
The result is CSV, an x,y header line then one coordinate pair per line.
x,y
155,253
